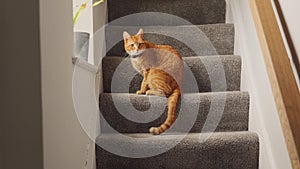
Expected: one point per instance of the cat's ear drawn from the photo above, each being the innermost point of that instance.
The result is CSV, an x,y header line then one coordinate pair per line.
x,y
141,33
126,35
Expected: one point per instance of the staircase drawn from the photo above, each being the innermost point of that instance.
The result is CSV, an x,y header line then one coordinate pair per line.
x,y
228,146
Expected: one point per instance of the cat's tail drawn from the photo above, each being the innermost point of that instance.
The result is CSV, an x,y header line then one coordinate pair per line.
x,y
171,117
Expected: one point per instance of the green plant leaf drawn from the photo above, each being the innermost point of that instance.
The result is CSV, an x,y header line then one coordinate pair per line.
x,y
83,6
97,3
76,16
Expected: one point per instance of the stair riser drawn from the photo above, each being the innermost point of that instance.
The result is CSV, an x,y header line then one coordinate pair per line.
x,y
215,73
233,118
229,151
220,117
188,40
211,11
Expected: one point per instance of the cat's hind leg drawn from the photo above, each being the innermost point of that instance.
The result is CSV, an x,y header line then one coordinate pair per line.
x,y
158,84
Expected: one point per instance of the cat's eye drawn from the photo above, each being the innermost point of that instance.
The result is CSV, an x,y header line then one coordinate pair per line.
x,y
131,45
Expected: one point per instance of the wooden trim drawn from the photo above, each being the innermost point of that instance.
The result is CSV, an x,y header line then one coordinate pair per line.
x,y
283,83
288,37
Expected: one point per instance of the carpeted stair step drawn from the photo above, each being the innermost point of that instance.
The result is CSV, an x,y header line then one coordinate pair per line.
x,y
132,113
228,150
189,40
209,73
195,11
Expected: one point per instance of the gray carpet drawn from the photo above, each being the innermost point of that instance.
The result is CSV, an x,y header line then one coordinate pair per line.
x,y
202,68
228,150
195,11
199,40
233,118
211,106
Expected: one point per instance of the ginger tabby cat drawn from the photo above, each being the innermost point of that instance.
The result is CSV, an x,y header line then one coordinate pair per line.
x,y
162,69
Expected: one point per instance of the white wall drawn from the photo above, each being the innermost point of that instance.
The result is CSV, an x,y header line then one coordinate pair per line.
x,y
39,127
100,19
85,23
263,113
65,143
91,20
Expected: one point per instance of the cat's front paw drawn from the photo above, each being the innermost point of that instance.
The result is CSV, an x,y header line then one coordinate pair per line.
x,y
148,92
140,92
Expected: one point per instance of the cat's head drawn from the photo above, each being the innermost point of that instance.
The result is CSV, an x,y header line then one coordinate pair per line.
x,y
134,45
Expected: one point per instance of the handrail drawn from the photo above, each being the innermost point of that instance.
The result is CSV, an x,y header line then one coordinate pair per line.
x,y
283,83
288,37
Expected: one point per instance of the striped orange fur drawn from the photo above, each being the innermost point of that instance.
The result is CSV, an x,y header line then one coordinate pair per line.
x,y
162,69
